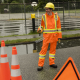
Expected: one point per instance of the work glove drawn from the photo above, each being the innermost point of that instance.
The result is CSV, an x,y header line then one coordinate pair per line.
x,y
39,31
56,13
59,40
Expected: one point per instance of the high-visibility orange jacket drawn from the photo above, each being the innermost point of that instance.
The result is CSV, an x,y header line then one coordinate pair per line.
x,y
51,27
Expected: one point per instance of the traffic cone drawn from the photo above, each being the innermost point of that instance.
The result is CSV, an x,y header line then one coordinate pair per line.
x,y
0,67
15,68
0,72
4,65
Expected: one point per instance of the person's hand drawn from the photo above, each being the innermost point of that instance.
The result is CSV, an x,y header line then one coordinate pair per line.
x,y
56,13
39,31
59,40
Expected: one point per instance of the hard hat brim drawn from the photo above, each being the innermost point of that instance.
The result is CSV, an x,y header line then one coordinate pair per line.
x,y
48,7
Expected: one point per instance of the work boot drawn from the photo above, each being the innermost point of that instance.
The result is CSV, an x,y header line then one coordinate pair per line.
x,y
53,65
39,68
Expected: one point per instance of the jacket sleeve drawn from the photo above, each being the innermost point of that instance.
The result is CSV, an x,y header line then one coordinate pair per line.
x,y
42,23
59,33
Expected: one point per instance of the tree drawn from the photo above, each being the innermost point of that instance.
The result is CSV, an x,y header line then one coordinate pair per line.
x,y
65,0
41,3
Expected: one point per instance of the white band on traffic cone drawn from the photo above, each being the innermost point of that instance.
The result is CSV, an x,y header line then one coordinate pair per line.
x,y
15,73
4,60
14,60
3,50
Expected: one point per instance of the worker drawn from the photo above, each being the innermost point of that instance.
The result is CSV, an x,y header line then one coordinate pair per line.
x,y
51,28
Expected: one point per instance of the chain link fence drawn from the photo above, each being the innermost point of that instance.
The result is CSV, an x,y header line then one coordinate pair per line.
x,y
17,10
10,12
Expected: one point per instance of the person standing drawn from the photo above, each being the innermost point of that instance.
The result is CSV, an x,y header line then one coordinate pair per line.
x,y
51,28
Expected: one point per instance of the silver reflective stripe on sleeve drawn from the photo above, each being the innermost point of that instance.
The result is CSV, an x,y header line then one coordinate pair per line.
x,y
44,17
55,21
59,30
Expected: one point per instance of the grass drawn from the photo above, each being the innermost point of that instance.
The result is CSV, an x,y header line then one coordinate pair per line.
x,y
71,30
20,41
34,39
72,35
31,33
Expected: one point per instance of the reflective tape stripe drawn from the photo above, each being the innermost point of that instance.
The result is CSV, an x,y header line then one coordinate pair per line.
x,y
42,18
15,73
59,30
49,30
51,55
55,22
14,60
45,22
4,60
56,19
42,56
3,50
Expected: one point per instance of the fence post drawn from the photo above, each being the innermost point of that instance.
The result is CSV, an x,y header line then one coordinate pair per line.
x,y
34,50
68,9
25,18
63,14
75,8
33,21
58,8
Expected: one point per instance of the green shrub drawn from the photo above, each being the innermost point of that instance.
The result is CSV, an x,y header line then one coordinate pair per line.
x,y
1,8
29,8
15,8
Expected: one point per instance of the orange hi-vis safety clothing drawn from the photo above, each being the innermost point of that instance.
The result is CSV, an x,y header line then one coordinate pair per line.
x,y
43,51
51,32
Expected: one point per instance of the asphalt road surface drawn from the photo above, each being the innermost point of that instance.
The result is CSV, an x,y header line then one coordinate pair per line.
x,y
29,63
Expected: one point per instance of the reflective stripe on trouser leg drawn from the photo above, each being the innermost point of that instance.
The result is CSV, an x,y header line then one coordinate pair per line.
x,y
42,54
52,53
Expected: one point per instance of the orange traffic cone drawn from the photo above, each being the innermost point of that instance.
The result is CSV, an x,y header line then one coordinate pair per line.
x,y
0,72
0,69
15,68
4,65
0,66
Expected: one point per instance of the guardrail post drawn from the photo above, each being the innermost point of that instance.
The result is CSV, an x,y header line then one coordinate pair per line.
x,y
34,50
33,21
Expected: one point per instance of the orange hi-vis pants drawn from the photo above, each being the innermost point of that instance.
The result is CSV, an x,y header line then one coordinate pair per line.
x,y
43,51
